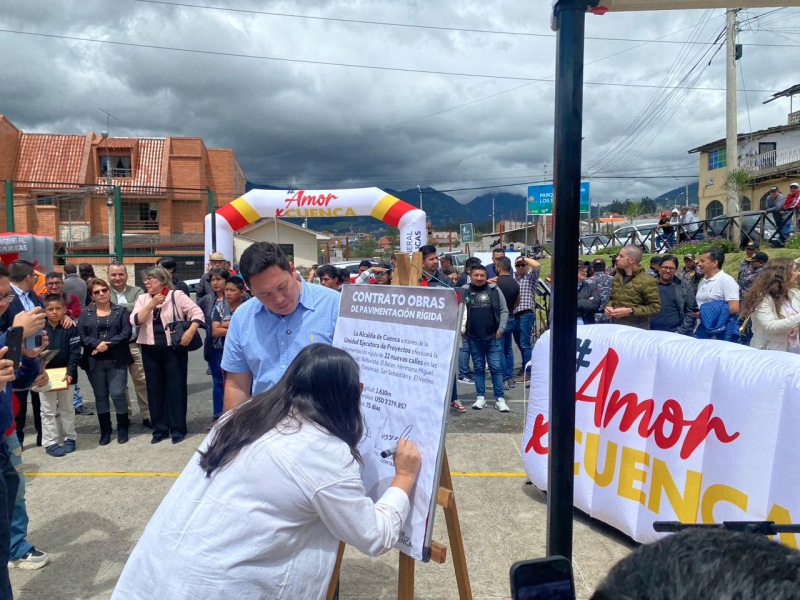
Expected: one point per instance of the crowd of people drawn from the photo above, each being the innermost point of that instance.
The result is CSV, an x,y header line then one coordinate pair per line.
x,y
261,319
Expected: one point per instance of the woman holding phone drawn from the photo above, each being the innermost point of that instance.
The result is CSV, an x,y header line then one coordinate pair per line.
x,y
259,510
165,367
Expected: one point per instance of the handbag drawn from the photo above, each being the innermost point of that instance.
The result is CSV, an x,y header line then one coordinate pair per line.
x,y
178,328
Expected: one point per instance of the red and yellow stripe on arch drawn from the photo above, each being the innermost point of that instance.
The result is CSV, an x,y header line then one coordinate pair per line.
x,y
238,213
390,210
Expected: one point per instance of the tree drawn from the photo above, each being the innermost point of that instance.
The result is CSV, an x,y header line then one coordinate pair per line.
x,y
736,182
634,210
365,248
648,205
393,234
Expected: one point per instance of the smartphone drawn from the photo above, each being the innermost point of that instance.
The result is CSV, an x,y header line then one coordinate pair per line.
x,y
14,343
164,291
549,578
34,341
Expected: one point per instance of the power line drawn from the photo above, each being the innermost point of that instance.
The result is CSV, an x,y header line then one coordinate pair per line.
x,y
415,25
351,65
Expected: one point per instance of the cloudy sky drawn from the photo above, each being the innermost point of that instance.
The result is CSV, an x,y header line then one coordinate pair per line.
x,y
323,126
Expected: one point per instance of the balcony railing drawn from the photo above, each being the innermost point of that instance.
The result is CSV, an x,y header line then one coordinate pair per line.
x,y
756,163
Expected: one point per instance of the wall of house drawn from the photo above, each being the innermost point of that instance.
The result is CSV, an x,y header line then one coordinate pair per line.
x,y
305,242
711,182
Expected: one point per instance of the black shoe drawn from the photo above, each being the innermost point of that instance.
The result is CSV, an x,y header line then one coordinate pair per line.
x,y
122,428
146,423
82,410
105,428
178,439
157,438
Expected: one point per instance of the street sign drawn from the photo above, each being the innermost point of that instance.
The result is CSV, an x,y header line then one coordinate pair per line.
x,y
540,199
467,233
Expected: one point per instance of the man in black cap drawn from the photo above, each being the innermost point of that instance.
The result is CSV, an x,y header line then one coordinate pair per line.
x,y
746,263
602,281
690,271
655,263
749,271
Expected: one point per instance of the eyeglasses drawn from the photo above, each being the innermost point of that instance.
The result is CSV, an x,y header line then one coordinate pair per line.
x,y
99,292
518,265
151,278
667,268
8,297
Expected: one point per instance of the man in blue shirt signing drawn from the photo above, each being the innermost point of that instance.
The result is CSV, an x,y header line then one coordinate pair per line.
x,y
269,330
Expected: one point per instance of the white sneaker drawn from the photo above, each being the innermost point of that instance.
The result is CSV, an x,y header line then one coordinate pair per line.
x,y
500,404
480,403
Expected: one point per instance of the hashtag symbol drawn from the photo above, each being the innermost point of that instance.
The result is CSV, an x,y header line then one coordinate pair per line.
x,y
584,349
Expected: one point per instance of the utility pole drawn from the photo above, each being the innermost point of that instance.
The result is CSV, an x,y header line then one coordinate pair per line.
x,y
731,125
110,200
494,227
686,193
420,197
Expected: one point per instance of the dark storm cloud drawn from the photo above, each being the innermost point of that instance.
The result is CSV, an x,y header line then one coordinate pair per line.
x,y
275,114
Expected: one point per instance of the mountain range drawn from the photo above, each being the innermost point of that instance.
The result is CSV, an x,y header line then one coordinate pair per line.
x,y
443,209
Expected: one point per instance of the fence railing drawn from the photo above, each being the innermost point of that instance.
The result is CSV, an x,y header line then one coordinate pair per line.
x,y
754,163
763,228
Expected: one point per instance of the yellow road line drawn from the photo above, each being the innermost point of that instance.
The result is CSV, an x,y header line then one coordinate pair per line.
x,y
169,474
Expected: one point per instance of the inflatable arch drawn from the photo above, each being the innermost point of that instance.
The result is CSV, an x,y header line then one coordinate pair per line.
x,y
299,204
27,246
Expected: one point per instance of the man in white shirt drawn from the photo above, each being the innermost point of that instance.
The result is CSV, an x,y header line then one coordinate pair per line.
x,y
719,293
688,224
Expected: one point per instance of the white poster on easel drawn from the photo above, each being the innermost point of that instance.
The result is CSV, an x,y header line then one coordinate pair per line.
x,y
403,339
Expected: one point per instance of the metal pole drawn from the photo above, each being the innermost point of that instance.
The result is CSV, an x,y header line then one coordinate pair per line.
x,y
420,197
731,125
570,24
9,206
494,227
213,213
118,223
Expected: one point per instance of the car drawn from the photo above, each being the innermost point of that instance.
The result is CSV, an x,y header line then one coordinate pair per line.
x,y
641,235
750,230
192,285
593,242
351,266
459,259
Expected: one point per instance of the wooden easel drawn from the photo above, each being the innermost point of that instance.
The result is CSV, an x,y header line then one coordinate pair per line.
x,y
406,274
405,580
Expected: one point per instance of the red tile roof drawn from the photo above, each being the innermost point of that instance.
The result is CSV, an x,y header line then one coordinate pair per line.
x,y
115,143
50,158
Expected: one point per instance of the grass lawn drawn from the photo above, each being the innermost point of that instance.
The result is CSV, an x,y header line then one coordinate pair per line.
x,y
731,266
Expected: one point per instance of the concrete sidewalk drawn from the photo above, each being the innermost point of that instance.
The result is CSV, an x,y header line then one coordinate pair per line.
x,y
88,509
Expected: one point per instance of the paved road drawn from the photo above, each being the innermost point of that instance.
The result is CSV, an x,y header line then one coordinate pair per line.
x,y
88,509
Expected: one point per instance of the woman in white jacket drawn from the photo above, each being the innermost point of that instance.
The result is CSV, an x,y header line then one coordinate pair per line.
x,y
773,304
259,510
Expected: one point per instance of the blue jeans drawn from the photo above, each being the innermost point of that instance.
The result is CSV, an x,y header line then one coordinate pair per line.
x,y
9,482
508,349
19,520
77,401
216,377
523,325
490,351
463,358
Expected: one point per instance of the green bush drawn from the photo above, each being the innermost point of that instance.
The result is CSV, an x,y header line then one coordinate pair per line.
x,y
794,242
698,246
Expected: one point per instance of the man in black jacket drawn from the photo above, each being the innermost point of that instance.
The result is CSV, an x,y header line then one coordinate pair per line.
x,y
678,303
171,265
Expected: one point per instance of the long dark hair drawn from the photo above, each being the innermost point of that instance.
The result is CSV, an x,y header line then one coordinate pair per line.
x,y
774,280
321,385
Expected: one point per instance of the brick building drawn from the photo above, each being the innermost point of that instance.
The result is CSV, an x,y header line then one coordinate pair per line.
x,y
60,187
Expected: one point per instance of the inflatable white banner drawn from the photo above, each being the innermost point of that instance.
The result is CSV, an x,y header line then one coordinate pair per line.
x,y
289,204
669,428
